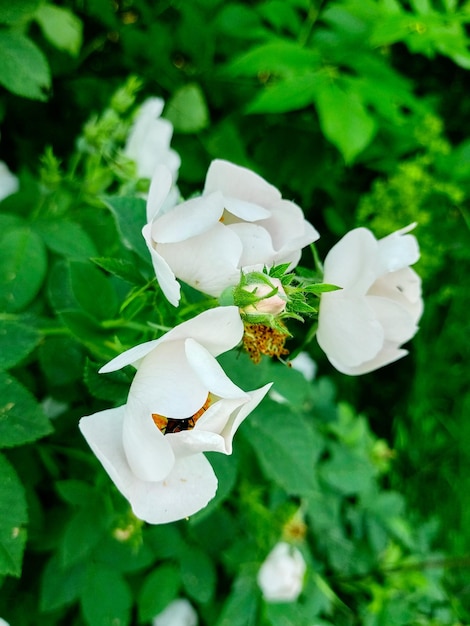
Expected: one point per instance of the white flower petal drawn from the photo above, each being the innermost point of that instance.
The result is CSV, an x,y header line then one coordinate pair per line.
x,y
160,186
244,210
352,262
239,182
164,273
190,486
9,183
388,354
396,251
257,244
210,372
399,326
208,262
148,452
219,329
188,219
167,383
348,331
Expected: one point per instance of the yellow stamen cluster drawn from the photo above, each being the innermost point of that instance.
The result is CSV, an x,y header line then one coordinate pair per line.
x,y
259,339
173,425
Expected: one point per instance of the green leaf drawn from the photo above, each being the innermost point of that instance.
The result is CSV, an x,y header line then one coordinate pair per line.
x,y
21,418
286,94
24,262
347,471
61,359
13,12
281,57
121,268
187,109
61,27
286,446
13,517
17,340
130,215
93,290
344,119
159,589
66,238
60,585
106,599
226,470
241,607
198,574
83,532
112,387
25,71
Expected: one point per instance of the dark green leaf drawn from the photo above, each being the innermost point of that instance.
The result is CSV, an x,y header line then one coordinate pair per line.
x,y
60,585
66,238
112,387
61,359
13,517
93,290
241,606
24,262
198,574
120,268
106,599
348,471
158,590
21,418
130,215
17,340
25,70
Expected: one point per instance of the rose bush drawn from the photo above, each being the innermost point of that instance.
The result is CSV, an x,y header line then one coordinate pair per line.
x,y
180,404
281,576
362,326
239,221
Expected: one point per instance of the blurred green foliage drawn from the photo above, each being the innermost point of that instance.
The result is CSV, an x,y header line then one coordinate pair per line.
x,y
354,108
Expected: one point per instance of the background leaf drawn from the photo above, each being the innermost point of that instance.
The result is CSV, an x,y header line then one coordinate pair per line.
x,y
25,70
13,517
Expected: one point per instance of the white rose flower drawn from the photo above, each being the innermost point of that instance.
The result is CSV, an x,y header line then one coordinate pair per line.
x,y
180,404
8,182
362,326
240,221
281,576
3,622
148,143
180,612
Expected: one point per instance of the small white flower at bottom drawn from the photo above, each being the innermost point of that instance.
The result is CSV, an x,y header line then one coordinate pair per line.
x,y
281,576
178,613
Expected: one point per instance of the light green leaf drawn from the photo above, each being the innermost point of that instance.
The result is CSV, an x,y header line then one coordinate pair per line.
x,y
187,109
158,590
286,446
21,418
13,517
344,119
347,471
106,598
61,27
287,94
25,71
241,606
66,238
281,57
17,340
24,262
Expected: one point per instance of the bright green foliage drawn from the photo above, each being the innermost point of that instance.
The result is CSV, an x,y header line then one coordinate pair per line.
x,y
357,111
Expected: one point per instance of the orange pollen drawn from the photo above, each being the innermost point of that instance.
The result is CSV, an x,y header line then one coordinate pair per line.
x,y
259,339
169,425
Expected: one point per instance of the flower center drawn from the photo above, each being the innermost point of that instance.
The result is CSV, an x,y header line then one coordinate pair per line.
x,y
170,425
259,339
